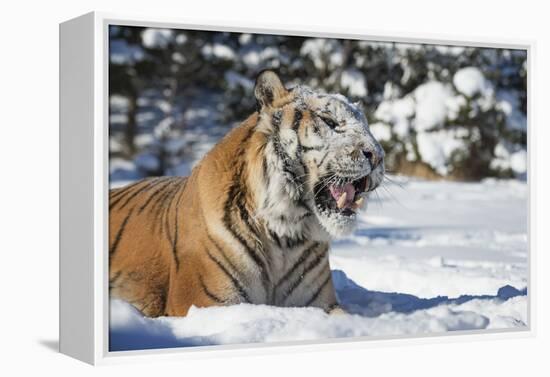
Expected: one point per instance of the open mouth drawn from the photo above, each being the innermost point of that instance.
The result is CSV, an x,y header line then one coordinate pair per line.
x,y
343,197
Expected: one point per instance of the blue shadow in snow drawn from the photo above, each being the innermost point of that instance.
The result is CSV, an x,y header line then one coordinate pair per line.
x,y
358,300
402,233
141,338
149,334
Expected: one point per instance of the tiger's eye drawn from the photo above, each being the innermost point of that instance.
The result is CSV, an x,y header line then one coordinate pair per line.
x,y
329,122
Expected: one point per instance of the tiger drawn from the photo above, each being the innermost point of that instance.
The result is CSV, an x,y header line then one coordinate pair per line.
x,y
253,221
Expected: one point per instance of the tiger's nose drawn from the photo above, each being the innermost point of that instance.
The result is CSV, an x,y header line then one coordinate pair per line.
x,y
374,157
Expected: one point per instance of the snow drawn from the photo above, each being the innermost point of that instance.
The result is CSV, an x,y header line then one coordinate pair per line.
x,y
397,112
355,82
118,102
325,53
234,80
380,131
219,51
470,81
437,147
509,103
121,171
144,140
119,163
507,158
178,58
454,105
427,257
247,323
156,38
118,119
245,38
427,120
147,161
391,91
431,104
121,52
518,161
254,57
181,39
430,257
450,50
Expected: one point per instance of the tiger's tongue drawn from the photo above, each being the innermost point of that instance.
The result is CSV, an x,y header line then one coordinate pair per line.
x,y
338,191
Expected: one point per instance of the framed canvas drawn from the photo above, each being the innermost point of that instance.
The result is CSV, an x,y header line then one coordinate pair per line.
x,y
246,189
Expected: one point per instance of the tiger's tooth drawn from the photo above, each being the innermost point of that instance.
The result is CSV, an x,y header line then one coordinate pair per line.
x,y
342,200
359,202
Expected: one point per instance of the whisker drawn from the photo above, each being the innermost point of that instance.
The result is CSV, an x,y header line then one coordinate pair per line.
x,y
393,181
379,200
321,189
392,196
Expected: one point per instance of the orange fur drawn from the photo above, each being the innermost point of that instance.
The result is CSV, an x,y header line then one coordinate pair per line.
x,y
159,237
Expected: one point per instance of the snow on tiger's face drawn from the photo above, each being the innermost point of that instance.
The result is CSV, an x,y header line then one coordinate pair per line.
x,y
344,161
327,154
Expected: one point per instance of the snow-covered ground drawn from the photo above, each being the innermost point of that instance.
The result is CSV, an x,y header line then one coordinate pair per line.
x,y
427,257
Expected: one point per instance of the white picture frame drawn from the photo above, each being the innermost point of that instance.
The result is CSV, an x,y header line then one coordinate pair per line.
x,y
84,191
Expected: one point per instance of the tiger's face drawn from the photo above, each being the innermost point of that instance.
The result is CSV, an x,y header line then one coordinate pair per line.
x,y
330,160
343,159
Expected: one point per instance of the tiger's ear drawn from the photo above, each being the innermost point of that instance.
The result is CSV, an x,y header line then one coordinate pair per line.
x,y
268,88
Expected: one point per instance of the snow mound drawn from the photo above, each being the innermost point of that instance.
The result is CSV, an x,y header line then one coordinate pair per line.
x,y
437,147
432,257
470,81
397,112
425,109
431,104
246,323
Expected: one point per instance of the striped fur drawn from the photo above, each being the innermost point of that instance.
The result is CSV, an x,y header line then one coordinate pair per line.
x,y
245,226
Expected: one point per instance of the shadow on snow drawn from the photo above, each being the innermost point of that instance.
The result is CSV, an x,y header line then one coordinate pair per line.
x,y
148,334
358,300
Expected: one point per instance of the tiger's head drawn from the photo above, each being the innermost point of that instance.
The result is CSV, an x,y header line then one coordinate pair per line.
x,y
323,160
